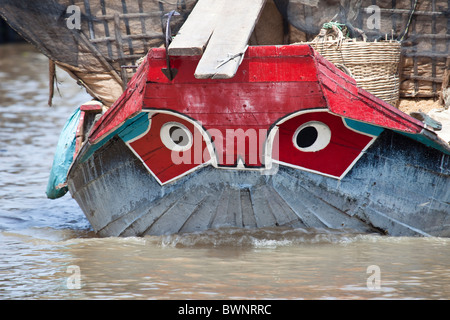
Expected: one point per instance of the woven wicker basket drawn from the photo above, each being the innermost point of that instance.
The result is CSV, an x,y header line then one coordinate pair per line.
x,y
373,65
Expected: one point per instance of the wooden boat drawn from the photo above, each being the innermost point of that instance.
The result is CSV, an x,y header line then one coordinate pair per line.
x,y
290,140
250,137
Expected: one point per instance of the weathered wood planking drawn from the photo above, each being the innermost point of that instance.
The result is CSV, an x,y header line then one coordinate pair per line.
x,y
220,30
228,42
193,36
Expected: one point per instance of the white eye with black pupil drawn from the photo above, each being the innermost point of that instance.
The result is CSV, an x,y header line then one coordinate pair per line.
x,y
312,136
176,136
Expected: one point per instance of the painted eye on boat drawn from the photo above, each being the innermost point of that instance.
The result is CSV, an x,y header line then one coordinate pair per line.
x,y
312,136
176,136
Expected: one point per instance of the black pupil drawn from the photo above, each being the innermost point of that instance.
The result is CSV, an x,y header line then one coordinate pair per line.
x,y
306,137
178,136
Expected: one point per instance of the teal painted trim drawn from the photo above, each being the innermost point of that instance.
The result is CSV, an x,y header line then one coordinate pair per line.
x,y
376,131
426,141
131,129
364,127
135,128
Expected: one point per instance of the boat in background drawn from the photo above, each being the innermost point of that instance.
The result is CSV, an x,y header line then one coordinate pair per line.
x,y
214,131
289,141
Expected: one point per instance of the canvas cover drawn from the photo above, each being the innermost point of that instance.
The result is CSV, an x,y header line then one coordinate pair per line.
x,y
65,149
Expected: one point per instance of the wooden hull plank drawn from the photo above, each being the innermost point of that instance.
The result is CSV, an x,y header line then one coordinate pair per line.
x,y
229,41
194,34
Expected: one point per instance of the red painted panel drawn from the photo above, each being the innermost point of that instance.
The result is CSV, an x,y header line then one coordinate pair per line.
x,y
262,101
234,144
346,99
345,145
272,82
91,108
79,133
164,163
263,91
127,106
260,64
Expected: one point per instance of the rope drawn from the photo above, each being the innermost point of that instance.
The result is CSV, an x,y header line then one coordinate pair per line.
x,y
329,25
340,26
409,21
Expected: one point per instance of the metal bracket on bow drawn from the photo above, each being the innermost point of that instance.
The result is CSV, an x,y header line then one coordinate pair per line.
x,y
169,72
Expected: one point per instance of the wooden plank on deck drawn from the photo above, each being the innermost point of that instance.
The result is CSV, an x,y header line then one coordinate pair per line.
x,y
229,39
193,36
